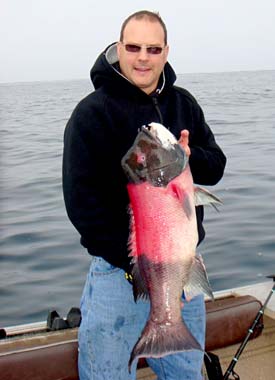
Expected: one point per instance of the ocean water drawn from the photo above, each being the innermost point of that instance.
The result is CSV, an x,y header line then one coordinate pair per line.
x,y
43,266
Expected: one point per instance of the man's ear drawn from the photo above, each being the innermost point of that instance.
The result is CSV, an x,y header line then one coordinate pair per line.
x,y
166,51
118,48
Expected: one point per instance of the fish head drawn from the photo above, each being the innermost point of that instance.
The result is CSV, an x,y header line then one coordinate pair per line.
x,y
155,156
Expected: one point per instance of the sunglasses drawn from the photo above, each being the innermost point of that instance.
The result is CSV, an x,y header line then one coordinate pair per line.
x,y
132,48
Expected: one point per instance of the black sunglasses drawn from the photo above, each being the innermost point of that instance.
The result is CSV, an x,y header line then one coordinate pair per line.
x,y
132,48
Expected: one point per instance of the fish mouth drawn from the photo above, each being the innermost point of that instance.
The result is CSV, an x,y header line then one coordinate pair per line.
x,y
159,167
160,135
147,129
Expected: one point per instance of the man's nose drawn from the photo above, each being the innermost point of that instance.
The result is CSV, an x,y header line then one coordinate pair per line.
x,y
143,54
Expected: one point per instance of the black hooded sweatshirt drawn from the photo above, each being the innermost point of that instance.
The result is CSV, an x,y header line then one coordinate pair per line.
x,y
100,131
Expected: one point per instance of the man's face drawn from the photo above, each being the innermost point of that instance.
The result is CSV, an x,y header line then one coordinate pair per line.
x,y
142,68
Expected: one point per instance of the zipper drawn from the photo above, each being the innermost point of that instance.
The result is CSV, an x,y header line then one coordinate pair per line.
x,y
156,105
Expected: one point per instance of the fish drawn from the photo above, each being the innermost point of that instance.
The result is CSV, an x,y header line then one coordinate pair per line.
x,y
163,239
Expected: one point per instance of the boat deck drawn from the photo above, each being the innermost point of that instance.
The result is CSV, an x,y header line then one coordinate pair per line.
x,y
257,360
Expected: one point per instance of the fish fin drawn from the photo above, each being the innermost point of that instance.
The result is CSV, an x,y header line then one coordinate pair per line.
x,y
204,197
140,290
132,245
198,280
158,340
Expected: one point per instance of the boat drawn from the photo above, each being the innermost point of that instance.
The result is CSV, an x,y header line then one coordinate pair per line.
x,y
36,352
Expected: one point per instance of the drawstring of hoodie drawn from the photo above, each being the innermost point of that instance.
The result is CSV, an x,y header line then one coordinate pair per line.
x,y
156,105
155,99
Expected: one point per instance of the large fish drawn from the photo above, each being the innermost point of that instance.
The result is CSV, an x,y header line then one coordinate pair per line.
x,y
163,238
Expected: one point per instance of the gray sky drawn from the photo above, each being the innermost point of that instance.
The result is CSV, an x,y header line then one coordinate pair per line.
x,y
60,39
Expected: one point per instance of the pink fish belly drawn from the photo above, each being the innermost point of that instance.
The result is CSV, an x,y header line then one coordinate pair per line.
x,y
164,230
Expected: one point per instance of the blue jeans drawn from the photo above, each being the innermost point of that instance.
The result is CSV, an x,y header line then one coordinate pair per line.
x,y
112,322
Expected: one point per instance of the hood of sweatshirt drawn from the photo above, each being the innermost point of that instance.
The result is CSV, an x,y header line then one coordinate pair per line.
x,y
106,72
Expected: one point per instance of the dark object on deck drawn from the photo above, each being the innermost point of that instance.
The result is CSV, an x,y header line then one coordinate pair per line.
x,y
55,322
213,366
74,317
59,324
51,317
3,334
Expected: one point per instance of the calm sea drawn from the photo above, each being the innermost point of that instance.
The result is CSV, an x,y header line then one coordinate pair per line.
x,y
43,266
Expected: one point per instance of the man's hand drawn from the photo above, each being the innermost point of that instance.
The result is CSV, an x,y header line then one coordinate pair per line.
x,y
184,141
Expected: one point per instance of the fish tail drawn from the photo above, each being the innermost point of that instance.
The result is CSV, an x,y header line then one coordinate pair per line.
x,y
158,340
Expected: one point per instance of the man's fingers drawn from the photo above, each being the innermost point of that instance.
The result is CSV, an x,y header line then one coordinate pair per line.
x,y
184,141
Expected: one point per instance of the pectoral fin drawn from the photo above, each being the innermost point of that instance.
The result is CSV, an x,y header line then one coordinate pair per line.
x,y
204,197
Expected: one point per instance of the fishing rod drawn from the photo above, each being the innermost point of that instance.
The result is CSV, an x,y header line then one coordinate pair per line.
x,y
234,361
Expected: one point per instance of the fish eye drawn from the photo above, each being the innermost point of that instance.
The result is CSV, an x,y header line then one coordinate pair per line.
x,y
141,158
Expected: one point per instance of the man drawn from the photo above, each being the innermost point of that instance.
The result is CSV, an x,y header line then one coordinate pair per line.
x,y
134,85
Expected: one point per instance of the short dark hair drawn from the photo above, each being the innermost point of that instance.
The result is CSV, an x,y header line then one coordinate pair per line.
x,y
152,16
